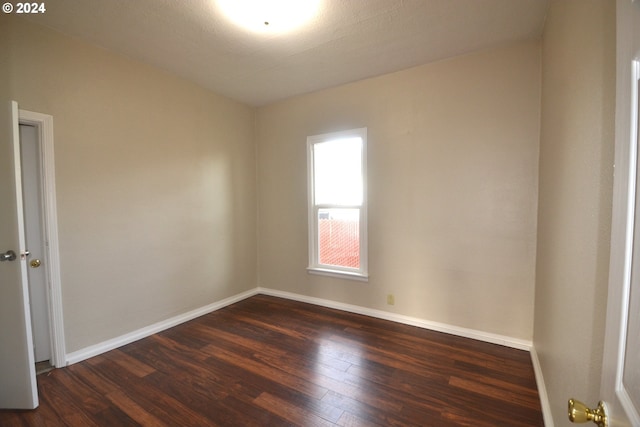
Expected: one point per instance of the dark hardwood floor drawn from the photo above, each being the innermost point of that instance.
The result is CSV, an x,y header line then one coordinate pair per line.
x,y
272,362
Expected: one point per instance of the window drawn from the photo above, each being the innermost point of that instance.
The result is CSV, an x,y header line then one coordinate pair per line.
x,y
337,203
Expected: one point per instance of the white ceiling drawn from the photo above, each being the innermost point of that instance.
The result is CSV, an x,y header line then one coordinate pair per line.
x,y
349,40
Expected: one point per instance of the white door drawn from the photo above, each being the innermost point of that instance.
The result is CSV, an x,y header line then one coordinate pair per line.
x,y
621,362
17,366
34,223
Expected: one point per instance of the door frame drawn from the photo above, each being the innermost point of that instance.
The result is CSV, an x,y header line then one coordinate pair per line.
x,y
44,127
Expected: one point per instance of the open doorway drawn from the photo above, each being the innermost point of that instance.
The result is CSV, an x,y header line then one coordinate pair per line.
x,y
35,241
41,231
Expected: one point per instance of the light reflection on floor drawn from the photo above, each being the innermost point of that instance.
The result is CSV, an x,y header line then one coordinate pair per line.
x,y
335,356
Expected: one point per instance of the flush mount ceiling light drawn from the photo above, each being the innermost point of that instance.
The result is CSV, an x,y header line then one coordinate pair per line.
x,y
269,16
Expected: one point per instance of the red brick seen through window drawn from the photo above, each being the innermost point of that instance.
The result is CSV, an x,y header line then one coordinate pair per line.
x,y
339,242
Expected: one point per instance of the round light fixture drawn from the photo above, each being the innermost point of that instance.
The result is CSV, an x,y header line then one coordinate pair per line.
x,y
269,16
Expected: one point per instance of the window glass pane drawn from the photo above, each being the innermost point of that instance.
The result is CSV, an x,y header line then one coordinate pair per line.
x,y
339,237
338,172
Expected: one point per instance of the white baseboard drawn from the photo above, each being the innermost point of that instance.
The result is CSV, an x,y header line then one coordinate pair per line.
x,y
399,318
542,389
103,347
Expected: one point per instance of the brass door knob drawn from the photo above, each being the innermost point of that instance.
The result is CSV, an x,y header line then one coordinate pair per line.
x,y
35,263
579,413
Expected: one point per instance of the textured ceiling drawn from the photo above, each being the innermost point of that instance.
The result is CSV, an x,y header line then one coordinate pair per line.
x,y
349,40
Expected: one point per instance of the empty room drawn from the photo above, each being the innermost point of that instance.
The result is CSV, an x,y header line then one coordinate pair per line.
x,y
322,212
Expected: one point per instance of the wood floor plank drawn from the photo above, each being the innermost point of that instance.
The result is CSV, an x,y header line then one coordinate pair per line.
x,y
268,361
131,364
155,401
55,396
131,408
496,389
277,375
349,420
290,412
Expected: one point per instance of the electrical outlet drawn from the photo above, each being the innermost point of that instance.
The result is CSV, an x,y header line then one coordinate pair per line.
x,y
391,300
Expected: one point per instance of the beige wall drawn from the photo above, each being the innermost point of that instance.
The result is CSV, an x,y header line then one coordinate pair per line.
x,y
453,160
576,158
4,63
155,184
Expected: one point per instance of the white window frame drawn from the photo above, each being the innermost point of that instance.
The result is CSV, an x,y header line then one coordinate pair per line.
x,y
331,270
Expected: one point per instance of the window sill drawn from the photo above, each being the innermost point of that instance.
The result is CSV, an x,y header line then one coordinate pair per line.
x,y
337,273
